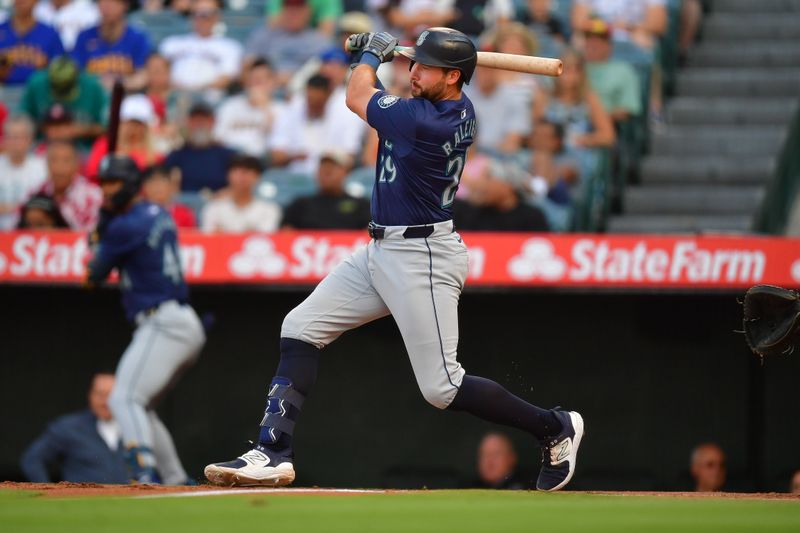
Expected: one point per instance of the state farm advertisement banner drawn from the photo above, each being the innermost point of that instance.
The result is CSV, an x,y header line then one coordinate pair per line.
x,y
496,259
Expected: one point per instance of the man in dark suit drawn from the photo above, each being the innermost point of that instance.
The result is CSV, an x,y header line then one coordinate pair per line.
x,y
82,446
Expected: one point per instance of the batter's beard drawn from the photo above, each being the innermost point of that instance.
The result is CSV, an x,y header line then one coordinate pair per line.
x,y
434,93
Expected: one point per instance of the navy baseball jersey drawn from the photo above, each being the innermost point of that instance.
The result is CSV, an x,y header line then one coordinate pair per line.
x,y
30,52
142,244
123,57
421,154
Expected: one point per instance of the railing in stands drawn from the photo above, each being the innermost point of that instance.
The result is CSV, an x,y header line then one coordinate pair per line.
x,y
784,187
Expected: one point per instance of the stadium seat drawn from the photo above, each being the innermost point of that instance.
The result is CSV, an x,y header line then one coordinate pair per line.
x,y
11,97
160,24
194,201
360,181
282,186
252,8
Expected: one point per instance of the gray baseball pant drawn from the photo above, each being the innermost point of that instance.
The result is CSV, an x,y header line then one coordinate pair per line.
x,y
164,344
418,281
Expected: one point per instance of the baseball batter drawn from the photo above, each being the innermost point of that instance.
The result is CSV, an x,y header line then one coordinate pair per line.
x,y
139,239
414,267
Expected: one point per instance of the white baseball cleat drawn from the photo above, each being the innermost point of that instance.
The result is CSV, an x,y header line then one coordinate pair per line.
x,y
560,452
259,467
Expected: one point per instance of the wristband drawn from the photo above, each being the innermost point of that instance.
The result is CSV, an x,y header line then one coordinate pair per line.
x,y
368,58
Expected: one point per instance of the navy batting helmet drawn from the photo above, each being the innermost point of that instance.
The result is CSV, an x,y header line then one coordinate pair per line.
x,y
122,168
447,48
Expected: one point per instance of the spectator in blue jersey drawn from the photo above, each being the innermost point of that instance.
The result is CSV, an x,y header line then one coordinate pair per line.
x,y
113,48
67,17
26,45
203,164
82,447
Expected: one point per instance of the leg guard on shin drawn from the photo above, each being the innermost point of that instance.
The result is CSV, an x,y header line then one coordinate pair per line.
x,y
141,464
283,406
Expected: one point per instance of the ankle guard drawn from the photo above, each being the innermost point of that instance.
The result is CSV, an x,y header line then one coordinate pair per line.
x,y
283,406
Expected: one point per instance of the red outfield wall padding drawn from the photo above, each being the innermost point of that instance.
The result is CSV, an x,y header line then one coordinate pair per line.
x,y
496,259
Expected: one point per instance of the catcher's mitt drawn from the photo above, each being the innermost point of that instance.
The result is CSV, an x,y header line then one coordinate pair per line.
x,y
771,320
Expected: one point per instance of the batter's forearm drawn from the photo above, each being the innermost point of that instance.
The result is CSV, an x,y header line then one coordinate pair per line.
x,y
360,89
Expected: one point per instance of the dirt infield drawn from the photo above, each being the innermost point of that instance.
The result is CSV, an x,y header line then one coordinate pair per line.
x,y
73,490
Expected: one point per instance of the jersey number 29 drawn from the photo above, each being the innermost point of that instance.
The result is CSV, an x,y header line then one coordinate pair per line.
x,y
454,168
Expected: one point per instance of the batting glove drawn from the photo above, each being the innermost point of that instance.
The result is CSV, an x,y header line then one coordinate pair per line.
x,y
381,45
357,41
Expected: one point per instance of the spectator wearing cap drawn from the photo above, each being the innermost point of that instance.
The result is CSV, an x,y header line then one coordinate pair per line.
x,y
136,117
639,22
288,42
21,172
41,212
239,210
202,162
160,186
494,199
26,44
614,81
311,126
503,112
57,125
331,207
245,121
323,13
79,93
67,17
113,49
77,198
202,60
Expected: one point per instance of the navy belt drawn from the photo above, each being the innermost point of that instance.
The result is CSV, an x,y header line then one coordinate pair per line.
x,y
411,232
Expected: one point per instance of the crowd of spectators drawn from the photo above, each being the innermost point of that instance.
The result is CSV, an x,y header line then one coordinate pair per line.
x,y
226,117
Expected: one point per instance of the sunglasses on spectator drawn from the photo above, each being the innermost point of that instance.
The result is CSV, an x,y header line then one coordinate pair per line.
x,y
205,14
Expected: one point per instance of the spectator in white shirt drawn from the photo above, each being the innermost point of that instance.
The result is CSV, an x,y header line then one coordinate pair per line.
x,y
245,121
68,17
202,60
21,172
289,42
313,125
238,210
503,112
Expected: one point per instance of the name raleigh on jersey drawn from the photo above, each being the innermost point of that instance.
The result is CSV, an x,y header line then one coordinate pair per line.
x,y
466,130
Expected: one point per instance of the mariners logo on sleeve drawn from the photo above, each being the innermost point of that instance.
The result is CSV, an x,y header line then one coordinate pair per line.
x,y
387,100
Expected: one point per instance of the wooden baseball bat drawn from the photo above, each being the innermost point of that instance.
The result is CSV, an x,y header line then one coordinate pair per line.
x,y
117,94
544,66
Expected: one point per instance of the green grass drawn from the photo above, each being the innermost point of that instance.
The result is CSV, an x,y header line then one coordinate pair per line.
x,y
436,511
